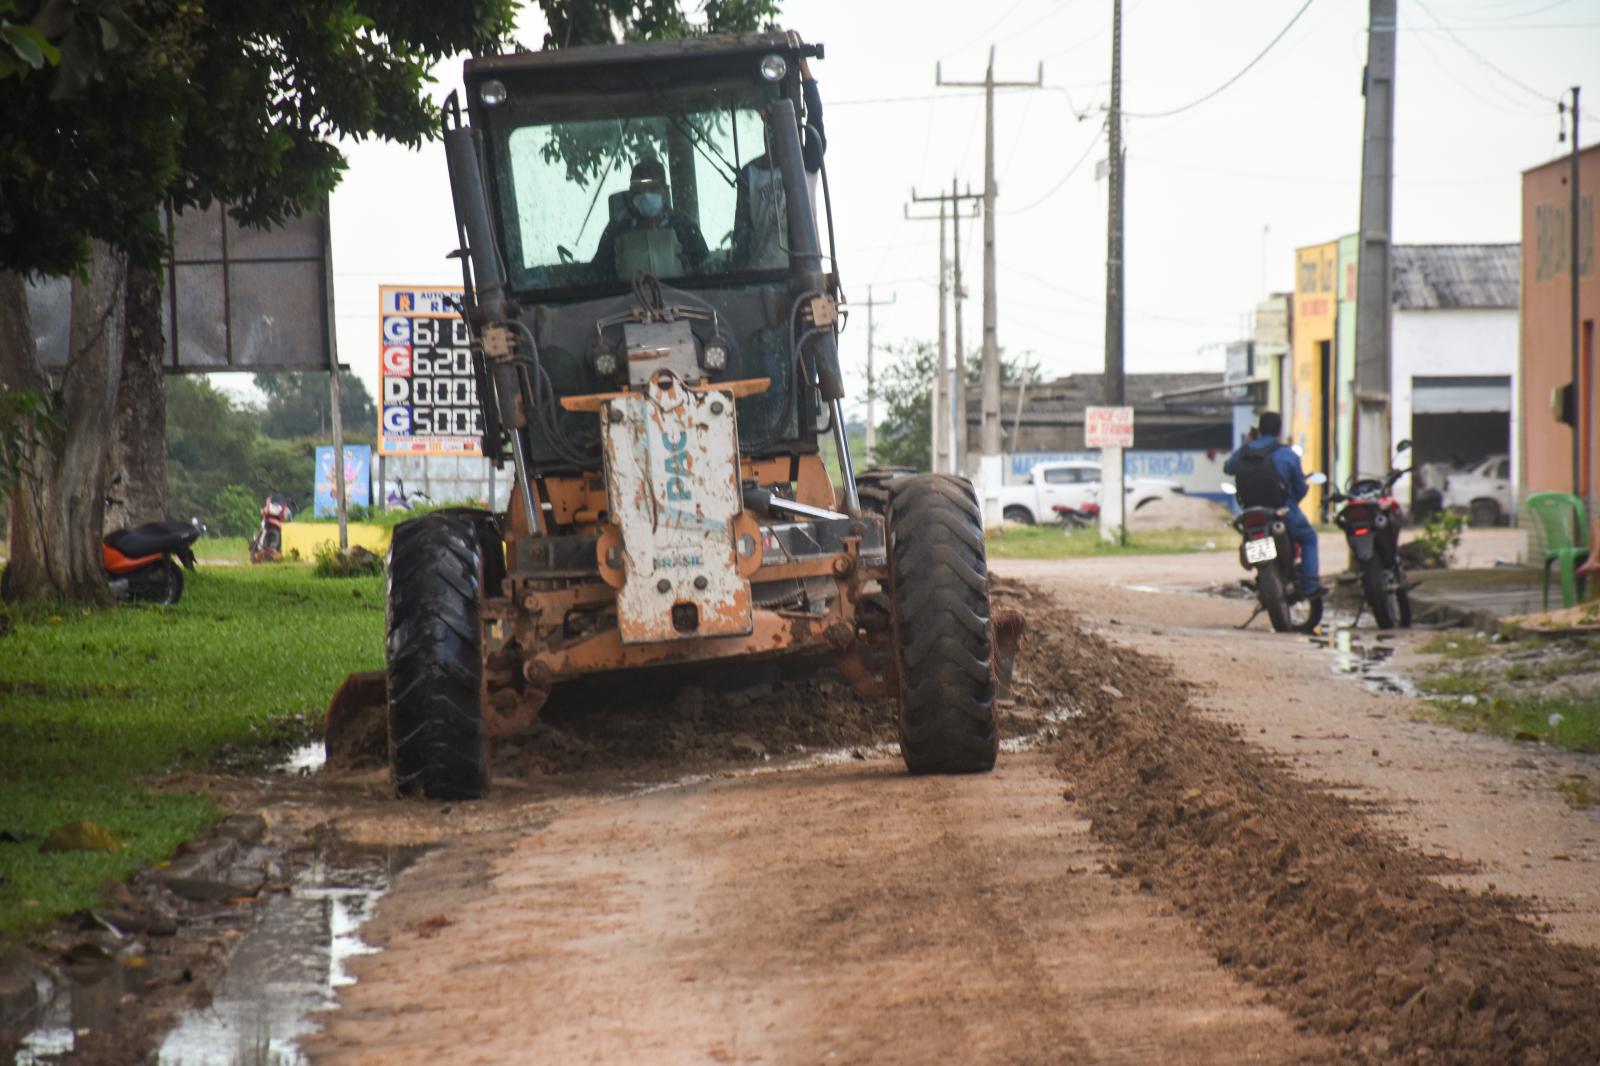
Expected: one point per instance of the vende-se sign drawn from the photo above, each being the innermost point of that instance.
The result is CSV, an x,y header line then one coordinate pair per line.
x,y
430,394
1108,427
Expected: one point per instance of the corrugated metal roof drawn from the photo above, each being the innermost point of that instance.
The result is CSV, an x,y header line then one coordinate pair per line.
x,y
1431,277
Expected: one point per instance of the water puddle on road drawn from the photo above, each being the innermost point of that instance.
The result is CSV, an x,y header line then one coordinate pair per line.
x,y
290,965
1363,658
285,968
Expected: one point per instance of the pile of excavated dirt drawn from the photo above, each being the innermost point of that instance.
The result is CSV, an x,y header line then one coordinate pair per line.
x,y
1293,887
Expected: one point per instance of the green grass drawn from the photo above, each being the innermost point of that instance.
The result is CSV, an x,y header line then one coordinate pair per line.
x,y
222,550
1050,542
1573,724
1464,683
1581,794
96,705
1457,645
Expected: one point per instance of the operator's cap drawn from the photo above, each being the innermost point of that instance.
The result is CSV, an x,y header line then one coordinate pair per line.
x,y
648,173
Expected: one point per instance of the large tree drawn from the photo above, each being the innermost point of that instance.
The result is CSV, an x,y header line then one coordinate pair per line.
x,y
121,106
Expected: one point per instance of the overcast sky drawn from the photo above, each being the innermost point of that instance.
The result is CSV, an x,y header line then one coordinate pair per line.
x,y
1218,197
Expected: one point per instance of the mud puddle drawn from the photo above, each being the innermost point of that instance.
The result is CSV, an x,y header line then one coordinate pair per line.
x,y
284,968
1364,657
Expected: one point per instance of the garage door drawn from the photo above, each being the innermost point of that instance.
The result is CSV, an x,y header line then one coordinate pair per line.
x,y
1454,396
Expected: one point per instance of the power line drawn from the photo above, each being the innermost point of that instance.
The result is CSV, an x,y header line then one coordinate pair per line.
x,y
1481,58
1243,71
1064,178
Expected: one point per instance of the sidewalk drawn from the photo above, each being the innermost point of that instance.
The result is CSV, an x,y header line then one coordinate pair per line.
x,y
1478,598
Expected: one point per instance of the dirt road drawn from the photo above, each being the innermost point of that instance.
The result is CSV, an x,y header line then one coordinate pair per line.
x,y
1180,875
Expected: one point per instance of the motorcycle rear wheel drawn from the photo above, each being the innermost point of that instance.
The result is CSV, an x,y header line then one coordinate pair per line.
x,y
162,583
1287,613
1380,595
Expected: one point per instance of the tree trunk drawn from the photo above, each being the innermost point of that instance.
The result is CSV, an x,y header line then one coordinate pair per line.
x,y
138,460
57,512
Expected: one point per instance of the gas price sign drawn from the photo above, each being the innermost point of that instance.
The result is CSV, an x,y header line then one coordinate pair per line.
x,y
430,396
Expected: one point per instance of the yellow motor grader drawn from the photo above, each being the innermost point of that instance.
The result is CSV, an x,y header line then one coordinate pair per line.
x,y
653,324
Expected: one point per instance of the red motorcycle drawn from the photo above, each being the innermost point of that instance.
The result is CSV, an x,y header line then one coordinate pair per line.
x,y
1371,519
267,544
1068,517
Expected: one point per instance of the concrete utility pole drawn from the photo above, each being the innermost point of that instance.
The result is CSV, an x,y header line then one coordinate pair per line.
x,y
1574,256
1374,277
335,393
938,406
989,473
1114,384
872,381
956,461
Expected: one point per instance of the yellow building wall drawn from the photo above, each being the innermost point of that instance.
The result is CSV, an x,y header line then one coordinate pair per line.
x,y
1316,310
302,539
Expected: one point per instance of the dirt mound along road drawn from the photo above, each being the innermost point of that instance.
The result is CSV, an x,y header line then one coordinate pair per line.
x,y
1295,889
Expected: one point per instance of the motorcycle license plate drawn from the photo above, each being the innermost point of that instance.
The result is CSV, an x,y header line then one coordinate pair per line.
x,y
1260,551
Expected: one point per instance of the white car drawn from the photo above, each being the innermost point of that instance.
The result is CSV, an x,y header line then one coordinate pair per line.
x,y
1072,484
1482,491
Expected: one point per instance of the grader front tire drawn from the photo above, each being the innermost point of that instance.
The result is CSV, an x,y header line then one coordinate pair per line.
x,y
437,744
939,592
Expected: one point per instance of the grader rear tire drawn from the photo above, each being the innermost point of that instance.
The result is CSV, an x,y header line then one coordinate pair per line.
x,y
939,592
437,744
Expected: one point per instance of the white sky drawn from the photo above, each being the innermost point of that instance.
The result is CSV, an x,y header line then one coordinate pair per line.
x,y
1217,198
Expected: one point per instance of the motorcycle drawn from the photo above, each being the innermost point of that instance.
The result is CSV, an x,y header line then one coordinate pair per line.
x,y
267,543
1068,517
139,564
1267,549
1371,518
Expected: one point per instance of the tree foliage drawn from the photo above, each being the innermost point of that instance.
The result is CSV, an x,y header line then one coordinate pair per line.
x,y
905,435
300,405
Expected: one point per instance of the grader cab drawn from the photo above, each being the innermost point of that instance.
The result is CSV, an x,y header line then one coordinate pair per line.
x,y
654,335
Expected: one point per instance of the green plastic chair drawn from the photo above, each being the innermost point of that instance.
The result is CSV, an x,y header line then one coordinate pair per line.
x,y
1563,520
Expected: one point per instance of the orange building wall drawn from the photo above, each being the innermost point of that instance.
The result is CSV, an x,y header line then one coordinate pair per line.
x,y
1546,331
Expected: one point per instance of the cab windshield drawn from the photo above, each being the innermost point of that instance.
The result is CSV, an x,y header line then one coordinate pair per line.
x,y
682,184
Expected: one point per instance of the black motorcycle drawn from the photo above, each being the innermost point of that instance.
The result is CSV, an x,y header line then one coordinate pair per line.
x,y
1267,548
1371,519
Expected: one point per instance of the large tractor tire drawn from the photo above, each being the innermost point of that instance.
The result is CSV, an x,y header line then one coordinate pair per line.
x,y
437,744
939,594
873,486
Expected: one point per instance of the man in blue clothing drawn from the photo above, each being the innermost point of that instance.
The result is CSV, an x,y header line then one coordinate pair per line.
x,y
1271,477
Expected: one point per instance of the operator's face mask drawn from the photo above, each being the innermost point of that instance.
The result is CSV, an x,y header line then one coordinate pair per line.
x,y
649,199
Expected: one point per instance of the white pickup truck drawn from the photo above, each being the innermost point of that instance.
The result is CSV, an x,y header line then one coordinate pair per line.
x,y
1073,484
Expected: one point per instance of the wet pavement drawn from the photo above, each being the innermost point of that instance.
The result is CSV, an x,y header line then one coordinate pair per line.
x,y
283,971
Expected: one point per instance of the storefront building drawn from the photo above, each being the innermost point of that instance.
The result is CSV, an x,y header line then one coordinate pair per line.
x,y
1552,446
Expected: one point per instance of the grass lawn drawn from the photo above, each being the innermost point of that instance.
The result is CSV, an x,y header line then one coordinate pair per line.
x,y
1050,542
96,704
222,550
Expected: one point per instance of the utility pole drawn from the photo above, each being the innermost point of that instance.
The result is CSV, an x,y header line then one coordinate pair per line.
x,y
1112,498
872,381
938,407
956,461
1374,278
989,474
1115,391
1574,256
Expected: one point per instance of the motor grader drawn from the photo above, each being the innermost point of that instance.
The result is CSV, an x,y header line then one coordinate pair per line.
x,y
654,334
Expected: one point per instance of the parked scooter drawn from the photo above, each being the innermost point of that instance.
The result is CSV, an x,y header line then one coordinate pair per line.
x,y
1068,517
1371,518
1267,549
139,561
266,546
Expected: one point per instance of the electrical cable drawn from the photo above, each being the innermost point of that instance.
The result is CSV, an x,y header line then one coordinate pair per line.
x,y
1225,85
1064,178
1481,58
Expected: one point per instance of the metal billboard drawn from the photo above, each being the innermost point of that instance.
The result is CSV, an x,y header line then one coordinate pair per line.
x,y
428,390
233,297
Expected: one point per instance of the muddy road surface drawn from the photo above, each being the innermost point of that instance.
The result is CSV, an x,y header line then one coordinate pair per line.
x,y
1200,846
1168,866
